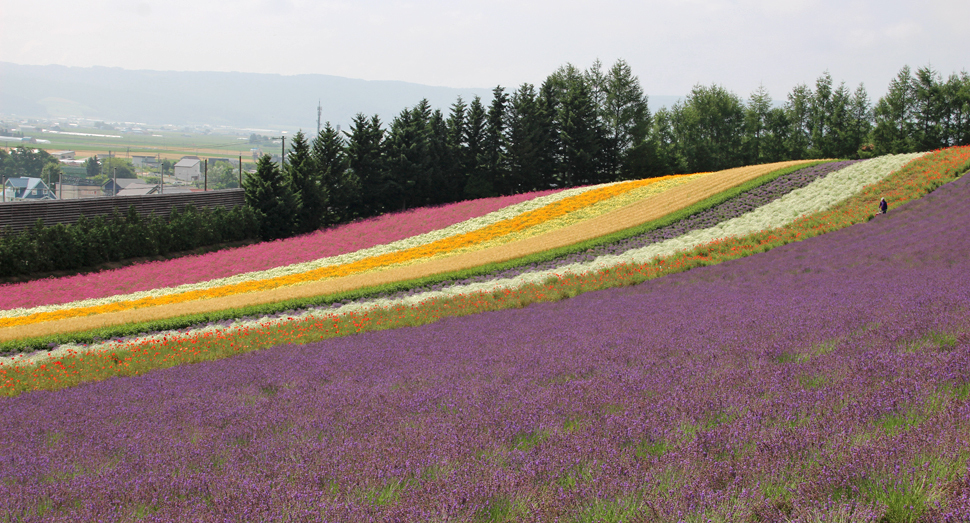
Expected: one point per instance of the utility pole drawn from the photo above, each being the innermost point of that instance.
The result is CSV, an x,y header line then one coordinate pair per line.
x,y
283,152
319,113
116,182
205,176
240,171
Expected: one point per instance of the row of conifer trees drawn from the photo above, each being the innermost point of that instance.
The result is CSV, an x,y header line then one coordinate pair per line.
x,y
582,127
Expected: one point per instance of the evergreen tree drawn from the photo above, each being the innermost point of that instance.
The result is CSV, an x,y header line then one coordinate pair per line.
x,y
478,184
549,154
820,113
756,126
957,122
577,123
929,108
408,157
527,139
305,180
270,197
341,184
893,132
798,114
625,115
860,122
444,164
365,150
457,132
92,166
494,148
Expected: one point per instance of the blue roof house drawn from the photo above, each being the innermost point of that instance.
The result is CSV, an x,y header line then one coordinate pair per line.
x,y
27,189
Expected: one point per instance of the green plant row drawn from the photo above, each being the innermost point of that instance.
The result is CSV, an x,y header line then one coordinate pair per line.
x,y
183,322
91,242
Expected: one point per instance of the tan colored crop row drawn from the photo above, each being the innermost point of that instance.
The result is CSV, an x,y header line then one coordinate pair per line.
x,y
648,209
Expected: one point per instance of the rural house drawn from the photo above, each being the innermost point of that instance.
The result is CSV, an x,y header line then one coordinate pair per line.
x,y
189,169
26,189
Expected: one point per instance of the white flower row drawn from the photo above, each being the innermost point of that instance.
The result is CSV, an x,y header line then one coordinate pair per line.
x,y
396,246
817,196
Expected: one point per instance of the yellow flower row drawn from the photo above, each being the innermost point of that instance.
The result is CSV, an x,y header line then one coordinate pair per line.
x,y
446,245
598,209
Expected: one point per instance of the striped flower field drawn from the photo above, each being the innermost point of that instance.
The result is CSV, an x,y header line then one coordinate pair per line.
x,y
824,380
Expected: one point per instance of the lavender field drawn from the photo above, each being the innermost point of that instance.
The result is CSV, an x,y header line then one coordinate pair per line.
x,y
826,380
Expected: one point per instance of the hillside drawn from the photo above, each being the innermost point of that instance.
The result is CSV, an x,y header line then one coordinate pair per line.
x,y
825,379
742,345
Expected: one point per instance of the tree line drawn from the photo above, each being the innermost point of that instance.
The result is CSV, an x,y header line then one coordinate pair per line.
x,y
584,127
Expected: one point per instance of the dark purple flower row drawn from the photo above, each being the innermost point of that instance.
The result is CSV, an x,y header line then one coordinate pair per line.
x,y
825,380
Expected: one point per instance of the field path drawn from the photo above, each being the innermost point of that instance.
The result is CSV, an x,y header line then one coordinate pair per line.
x,y
648,209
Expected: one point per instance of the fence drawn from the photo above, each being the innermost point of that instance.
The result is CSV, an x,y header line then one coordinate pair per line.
x,y
21,215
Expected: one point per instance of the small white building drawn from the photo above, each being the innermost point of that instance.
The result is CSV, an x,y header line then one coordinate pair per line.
x,y
189,169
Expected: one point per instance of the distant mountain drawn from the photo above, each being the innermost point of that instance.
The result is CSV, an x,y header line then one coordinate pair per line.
x,y
243,100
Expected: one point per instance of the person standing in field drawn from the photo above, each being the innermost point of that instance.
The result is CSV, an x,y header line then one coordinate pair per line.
x,y
883,206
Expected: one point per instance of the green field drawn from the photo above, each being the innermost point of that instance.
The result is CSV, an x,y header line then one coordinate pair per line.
x,y
165,144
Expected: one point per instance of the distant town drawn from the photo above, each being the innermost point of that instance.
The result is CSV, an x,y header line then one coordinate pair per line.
x,y
71,158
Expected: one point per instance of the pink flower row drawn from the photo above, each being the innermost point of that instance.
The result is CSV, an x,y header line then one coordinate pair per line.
x,y
262,256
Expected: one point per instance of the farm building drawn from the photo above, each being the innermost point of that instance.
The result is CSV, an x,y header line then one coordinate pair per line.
x,y
189,169
26,189
114,187
62,155
144,162
138,189
78,186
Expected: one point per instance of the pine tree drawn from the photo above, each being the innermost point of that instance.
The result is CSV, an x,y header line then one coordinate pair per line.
x,y
409,159
626,122
341,184
526,140
308,190
444,164
798,114
272,200
365,150
580,136
457,131
756,116
478,184
495,168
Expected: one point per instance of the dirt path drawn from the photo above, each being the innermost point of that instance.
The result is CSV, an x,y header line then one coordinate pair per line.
x,y
632,215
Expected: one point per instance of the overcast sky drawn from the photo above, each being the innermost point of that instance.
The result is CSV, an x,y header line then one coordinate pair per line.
x,y
671,44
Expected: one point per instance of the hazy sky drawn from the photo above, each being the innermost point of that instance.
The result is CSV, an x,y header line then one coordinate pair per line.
x,y
671,44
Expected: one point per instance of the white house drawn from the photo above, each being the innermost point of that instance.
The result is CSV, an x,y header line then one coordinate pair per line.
x,y
189,169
